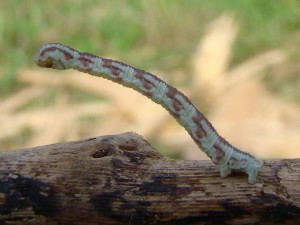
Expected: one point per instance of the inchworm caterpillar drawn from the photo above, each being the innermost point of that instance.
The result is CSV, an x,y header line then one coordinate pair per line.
x,y
221,152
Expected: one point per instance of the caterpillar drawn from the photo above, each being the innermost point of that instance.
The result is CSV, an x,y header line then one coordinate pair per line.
x,y
221,152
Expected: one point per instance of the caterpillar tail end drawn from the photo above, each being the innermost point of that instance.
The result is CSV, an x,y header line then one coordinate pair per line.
x,y
253,171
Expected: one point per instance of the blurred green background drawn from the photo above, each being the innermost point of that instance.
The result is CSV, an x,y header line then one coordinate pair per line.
x,y
141,32
147,34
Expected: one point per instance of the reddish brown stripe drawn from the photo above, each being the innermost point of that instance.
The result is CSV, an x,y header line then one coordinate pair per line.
x,y
86,57
198,117
52,49
147,84
84,60
138,74
115,71
171,92
200,133
219,154
107,63
141,76
177,105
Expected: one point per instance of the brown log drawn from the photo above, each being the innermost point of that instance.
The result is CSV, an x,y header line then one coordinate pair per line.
x,y
121,179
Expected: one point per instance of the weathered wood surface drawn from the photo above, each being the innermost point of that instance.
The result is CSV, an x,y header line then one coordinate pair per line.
x,y
121,179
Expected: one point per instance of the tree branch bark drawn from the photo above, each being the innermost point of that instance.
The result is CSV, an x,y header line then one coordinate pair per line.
x,y
121,179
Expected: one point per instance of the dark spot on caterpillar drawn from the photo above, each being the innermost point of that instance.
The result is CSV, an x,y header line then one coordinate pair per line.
x,y
115,71
177,105
219,154
138,74
171,92
85,60
141,76
147,84
107,63
197,118
200,132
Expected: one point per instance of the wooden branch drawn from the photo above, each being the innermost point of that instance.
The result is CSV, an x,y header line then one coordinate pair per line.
x,y
121,179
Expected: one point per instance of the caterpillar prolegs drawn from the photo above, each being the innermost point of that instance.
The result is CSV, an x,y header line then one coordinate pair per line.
x,y
221,152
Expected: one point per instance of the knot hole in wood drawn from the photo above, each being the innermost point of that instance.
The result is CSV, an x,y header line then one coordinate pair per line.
x,y
104,150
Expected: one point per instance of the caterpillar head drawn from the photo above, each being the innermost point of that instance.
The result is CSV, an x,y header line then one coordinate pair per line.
x,y
53,56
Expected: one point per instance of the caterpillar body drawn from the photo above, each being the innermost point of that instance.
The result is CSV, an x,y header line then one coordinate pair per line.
x,y
221,152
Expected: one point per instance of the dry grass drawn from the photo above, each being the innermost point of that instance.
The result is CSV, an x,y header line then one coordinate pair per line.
x,y
235,100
